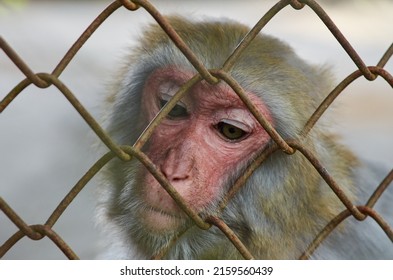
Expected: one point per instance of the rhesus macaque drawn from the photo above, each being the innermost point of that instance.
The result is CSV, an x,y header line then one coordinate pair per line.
x,y
210,137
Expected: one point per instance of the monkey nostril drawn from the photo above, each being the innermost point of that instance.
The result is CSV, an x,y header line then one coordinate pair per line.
x,y
178,178
174,177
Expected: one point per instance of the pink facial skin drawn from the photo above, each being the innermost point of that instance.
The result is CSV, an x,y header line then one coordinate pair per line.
x,y
191,146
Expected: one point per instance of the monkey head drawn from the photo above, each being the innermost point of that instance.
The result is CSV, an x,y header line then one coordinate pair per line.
x,y
207,140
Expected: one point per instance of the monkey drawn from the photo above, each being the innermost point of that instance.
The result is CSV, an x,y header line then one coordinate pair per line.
x,y
207,141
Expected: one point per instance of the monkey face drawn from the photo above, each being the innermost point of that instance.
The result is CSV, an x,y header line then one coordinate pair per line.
x,y
206,135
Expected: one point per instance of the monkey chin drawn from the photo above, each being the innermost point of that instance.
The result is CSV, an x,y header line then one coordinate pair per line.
x,y
160,221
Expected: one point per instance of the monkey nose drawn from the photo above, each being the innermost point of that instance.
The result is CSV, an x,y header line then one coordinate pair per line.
x,y
176,167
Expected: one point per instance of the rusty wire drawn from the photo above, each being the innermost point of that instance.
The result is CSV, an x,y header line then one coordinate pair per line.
x,y
126,153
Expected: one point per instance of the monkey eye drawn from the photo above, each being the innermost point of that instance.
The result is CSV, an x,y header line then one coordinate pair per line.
x,y
178,111
230,132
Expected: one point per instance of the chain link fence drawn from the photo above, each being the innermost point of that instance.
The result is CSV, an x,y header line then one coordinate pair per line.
x,y
126,153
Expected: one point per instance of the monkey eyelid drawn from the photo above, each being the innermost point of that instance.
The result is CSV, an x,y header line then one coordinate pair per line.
x,y
167,97
168,88
237,124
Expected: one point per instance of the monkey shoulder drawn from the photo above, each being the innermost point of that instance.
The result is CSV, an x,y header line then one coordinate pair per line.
x,y
355,239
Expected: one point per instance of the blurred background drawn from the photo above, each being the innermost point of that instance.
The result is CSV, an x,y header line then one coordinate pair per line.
x,y
45,146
